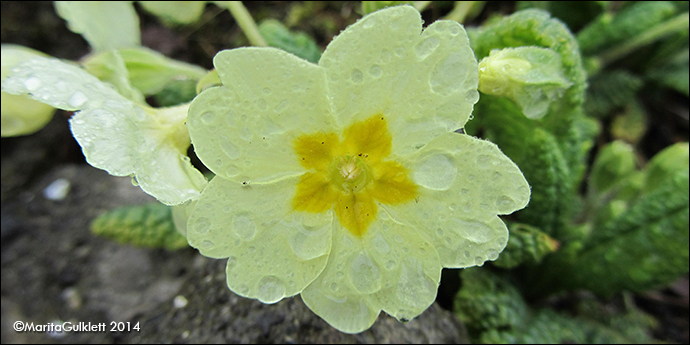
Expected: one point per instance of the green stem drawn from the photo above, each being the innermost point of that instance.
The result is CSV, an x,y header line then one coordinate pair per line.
x,y
245,21
461,10
660,31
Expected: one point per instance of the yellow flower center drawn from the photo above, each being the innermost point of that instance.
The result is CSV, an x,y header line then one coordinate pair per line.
x,y
351,174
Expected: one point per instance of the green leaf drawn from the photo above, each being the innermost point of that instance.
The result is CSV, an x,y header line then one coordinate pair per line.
x,y
631,124
495,313
615,162
176,92
175,12
530,76
149,225
300,44
665,164
104,24
645,247
535,28
610,90
487,301
610,29
526,245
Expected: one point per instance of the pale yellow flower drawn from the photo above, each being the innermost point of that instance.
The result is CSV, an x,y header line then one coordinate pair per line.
x,y
344,181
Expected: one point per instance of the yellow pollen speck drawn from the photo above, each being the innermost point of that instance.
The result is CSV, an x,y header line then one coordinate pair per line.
x,y
352,174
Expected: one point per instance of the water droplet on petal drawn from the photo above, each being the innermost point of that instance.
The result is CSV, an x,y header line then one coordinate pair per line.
x,y
414,288
364,274
437,172
449,74
472,96
244,227
281,106
202,225
426,47
232,262
32,83
375,71
77,100
505,205
271,290
207,118
357,76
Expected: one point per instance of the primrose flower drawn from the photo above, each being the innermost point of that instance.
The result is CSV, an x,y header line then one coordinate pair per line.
x,y
116,134
344,181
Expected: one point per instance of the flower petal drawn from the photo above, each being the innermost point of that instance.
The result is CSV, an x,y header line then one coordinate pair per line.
x,y
391,268
272,251
425,84
411,268
115,134
269,98
339,295
464,184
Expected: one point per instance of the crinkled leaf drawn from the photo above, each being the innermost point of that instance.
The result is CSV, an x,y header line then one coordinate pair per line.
x,y
300,44
526,245
615,162
495,313
104,24
535,28
610,29
665,164
564,120
20,114
116,134
610,90
149,225
645,247
530,76
538,155
175,12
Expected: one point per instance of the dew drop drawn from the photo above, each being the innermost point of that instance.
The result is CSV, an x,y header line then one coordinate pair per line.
x,y
505,205
472,96
206,244
229,148
232,262
437,172
426,47
77,100
334,287
266,91
281,106
262,104
271,290
375,71
202,225
365,274
390,265
399,52
207,117
454,30
449,74
474,231
479,261
414,288
32,83
244,227
380,244
357,76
